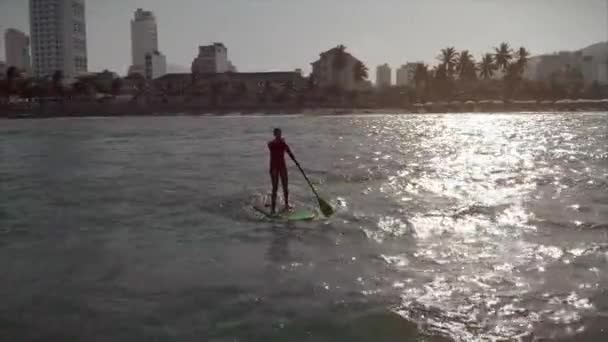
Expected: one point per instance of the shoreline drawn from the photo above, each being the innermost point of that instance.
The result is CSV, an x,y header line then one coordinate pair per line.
x,y
57,110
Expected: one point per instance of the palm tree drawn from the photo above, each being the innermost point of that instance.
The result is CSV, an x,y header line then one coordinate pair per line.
x,y
503,56
421,75
441,80
512,74
116,86
512,80
448,57
421,80
12,74
522,58
486,66
440,72
465,65
360,71
339,61
27,88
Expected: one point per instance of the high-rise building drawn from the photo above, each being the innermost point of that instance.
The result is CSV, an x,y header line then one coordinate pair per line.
x,y
144,39
405,74
59,38
383,76
17,45
211,59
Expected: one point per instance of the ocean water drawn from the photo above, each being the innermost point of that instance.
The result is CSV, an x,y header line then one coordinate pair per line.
x,y
448,228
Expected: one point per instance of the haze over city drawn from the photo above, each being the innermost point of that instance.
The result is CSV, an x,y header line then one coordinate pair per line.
x,y
264,35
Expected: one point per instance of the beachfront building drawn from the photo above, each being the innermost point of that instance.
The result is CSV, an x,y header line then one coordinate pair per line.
x,y
212,59
155,65
601,73
594,71
593,68
147,60
59,39
335,68
17,46
383,76
405,75
245,84
549,65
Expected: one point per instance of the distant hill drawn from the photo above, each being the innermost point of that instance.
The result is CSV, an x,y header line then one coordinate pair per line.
x,y
177,69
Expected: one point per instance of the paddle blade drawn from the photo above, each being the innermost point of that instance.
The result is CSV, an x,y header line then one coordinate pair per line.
x,y
326,209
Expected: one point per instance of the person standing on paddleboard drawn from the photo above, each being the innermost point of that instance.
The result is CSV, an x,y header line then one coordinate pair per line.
x,y
278,168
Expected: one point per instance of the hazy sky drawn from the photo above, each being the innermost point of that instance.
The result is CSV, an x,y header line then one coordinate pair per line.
x,y
264,35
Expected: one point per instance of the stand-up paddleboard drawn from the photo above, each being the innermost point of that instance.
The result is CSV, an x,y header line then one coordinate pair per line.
x,y
262,205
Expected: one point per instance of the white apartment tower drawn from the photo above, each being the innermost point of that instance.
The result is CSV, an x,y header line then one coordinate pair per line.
x,y
144,37
383,76
59,38
17,45
405,74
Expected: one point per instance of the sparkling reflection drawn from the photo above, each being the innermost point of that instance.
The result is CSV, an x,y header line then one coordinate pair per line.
x,y
475,207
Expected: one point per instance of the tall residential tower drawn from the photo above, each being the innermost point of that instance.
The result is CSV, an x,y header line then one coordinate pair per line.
x,y
147,60
17,46
383,76
59,39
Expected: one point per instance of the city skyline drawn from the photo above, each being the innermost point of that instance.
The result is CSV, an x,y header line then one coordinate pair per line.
x,y
376,33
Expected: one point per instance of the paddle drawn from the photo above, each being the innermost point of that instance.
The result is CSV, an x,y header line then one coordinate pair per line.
x,y
326,209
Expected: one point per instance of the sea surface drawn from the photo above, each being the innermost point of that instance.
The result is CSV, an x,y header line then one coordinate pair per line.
x,y
448,228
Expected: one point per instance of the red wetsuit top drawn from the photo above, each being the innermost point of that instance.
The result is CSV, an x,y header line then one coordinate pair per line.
x,y
278,148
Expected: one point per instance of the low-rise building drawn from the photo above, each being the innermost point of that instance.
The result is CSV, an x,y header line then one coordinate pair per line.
x,y
102,82
211,59
336,68
249,83
231,67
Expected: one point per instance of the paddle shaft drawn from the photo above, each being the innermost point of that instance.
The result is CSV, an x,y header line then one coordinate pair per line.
x,y
305,177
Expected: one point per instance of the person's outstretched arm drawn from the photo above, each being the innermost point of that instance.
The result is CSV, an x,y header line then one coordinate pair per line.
x,y
288,150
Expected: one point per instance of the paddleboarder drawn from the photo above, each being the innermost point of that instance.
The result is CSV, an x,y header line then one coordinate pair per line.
x,y
278,168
